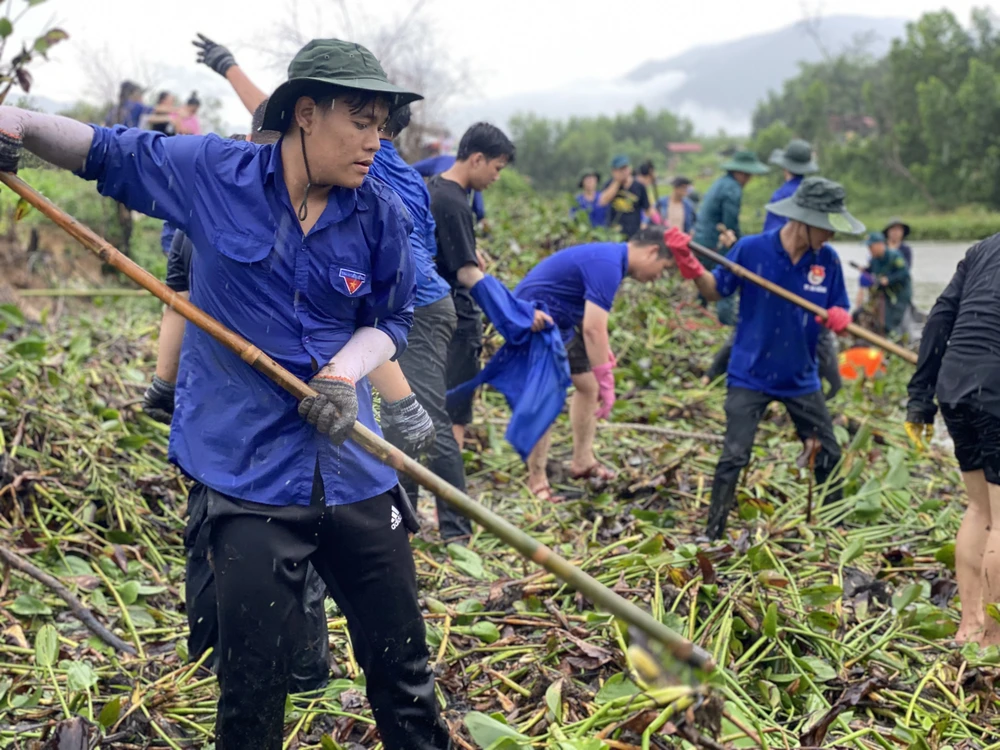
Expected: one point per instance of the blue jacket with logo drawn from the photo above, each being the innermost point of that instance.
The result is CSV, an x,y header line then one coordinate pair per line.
x,y
774,347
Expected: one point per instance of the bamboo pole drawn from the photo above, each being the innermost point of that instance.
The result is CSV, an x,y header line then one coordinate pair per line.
x,y
531,548
852,328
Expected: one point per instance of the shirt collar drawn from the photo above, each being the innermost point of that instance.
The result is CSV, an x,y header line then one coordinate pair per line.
x,y
340,204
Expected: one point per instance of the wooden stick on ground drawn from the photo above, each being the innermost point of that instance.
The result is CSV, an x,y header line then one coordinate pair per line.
x,y
77,607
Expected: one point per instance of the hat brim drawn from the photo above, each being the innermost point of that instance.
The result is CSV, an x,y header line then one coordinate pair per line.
x,y
278,113
833,222
903,224
757,167
795,167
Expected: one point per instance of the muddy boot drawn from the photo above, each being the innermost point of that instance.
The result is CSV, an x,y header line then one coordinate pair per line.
x,y
723,499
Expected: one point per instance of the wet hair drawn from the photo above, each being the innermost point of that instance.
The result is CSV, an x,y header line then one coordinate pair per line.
x,y
488,140
193,100
164,95
256,134
397,122
646,168
652,236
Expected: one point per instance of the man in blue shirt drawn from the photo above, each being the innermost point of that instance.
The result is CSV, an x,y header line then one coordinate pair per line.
x,y
796,161
774,350
577,285
296,250
424,363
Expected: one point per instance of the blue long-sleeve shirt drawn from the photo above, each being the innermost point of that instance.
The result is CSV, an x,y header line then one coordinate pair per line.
x,y
772,222
441,163
407,183
299,298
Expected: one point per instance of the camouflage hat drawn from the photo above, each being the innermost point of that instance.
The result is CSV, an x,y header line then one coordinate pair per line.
x,y
819,203
335,62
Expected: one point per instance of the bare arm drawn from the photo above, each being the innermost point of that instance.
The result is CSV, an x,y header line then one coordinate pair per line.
x,y
706,285
595,334
390,382
245,89
608,194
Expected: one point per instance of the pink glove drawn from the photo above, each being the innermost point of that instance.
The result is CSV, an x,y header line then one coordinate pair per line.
x,y
605,375
687,264
837,319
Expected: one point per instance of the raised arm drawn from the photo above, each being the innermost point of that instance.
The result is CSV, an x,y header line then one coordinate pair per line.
x,y
608,194
221,60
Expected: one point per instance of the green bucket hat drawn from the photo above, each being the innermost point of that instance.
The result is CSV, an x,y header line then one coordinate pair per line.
x,y
585,173
797,158
745,161
337,63
874,238
895,221
819,203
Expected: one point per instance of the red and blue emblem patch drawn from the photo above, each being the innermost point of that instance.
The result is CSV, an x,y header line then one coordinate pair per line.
x,y
817,274
352,279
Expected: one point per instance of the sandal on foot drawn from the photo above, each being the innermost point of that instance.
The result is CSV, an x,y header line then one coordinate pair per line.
x,y
598,472
546,495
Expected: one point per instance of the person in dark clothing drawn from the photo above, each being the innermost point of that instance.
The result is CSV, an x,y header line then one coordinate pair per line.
x,y
482,153
435,165
774,351
892,288
626,197
896,232
958,365
296,249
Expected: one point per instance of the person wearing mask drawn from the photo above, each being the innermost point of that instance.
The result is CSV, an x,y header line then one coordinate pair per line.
x,y
892,288
586,199
296,250
896,232
795,161
718,223
626,197
958,364
578,285
774,351
676,209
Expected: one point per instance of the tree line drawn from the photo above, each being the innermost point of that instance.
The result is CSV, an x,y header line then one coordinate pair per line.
x,y
919,125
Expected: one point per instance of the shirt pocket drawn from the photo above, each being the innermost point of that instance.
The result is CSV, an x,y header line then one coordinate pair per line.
x,y
346,287
245,249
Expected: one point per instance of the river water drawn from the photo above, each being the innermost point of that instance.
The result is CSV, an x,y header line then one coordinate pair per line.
x,y
933,266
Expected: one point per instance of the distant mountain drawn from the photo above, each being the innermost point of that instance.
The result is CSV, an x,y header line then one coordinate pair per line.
x,y
717,86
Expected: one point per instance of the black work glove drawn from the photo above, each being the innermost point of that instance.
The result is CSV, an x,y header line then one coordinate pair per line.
x,y
402,502
215,56
407,425
11,146
158,401
334,409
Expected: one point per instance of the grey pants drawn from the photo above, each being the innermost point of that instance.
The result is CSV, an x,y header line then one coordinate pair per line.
x,y
744,410
425,365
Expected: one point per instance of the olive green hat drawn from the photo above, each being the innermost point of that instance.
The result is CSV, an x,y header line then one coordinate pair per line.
x,y
895,221
819,203
335,62
745,161
797,158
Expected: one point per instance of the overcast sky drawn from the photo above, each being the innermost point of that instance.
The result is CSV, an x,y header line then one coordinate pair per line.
x,y
508,46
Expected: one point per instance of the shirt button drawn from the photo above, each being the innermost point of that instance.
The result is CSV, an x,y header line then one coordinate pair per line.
x,y
308,339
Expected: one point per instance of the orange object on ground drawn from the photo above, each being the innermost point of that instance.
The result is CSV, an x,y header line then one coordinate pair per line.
x,y
861,360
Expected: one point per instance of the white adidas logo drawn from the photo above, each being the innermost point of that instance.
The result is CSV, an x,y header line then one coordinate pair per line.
x,y
397,518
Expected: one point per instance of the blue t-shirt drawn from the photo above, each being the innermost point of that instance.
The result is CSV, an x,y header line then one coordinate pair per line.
x,y
568,279
404,180
598,215
774,349
772,222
